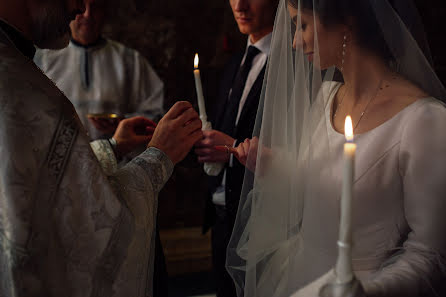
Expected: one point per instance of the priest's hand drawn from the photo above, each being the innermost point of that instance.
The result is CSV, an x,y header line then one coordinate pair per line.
x,y
132,133
177,131
205,148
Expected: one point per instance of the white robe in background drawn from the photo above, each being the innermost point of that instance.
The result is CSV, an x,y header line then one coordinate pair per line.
x,y
66,228
104,78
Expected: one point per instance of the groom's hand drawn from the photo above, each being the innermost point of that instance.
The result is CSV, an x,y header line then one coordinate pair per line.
x,y
177,131
205,148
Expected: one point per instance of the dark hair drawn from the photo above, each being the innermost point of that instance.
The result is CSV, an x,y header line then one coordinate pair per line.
x,y
358,13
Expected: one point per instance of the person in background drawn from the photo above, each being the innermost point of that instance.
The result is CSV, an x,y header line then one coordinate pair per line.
x,y
100,75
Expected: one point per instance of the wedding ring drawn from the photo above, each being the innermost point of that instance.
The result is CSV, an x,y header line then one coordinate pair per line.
x,y
227,150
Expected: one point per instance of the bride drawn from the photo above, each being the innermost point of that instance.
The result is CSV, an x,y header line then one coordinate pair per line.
x,y
330,59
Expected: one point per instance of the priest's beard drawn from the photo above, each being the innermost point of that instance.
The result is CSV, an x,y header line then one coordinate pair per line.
x,y
51,28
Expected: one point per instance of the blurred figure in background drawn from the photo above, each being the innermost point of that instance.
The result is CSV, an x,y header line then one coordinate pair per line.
x,y
102,76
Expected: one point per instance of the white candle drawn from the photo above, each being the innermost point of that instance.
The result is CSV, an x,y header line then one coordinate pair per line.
x,y
199,88
212,169
344,270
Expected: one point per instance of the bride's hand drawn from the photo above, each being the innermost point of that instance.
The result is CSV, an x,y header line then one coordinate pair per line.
x,y
246,153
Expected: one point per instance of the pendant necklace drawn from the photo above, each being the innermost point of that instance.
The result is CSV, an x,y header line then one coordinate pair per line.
x,y
365,108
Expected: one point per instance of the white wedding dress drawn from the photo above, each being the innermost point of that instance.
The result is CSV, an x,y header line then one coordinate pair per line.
x,y
399,222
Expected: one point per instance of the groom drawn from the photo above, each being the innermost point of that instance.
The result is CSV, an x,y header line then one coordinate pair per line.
x,y
238,100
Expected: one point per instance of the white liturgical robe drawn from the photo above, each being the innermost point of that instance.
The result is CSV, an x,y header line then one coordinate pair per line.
x,y
105,78
66,228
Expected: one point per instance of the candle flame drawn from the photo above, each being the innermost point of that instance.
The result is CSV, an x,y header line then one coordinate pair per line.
x,y
348,129
196,61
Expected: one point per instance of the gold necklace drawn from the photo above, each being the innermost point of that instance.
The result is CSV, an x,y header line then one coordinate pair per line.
x,y
339,104
365,108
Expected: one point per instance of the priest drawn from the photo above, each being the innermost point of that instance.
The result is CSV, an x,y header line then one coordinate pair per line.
x,y
66,227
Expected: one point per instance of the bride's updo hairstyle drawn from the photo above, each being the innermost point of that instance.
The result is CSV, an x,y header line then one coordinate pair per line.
x,y
359,15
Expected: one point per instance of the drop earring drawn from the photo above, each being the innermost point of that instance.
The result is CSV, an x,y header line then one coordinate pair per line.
x,y
344,48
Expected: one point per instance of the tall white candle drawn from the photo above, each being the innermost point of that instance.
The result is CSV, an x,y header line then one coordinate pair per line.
x,y
212,169
199,88
344,270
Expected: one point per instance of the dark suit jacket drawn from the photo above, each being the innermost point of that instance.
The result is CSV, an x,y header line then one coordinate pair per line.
x,y
244,129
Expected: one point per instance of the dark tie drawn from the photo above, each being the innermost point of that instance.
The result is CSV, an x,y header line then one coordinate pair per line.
x,y
231,110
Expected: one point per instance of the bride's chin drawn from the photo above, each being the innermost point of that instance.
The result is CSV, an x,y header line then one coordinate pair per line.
x,y
324,67
321,66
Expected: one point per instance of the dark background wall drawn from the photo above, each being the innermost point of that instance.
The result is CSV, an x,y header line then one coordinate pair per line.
x,y
169,32
433,14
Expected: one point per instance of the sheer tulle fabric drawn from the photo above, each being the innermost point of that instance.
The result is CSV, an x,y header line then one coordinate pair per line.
x,y
291,162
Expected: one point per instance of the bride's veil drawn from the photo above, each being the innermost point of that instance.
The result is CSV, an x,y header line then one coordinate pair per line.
x,y
290,164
